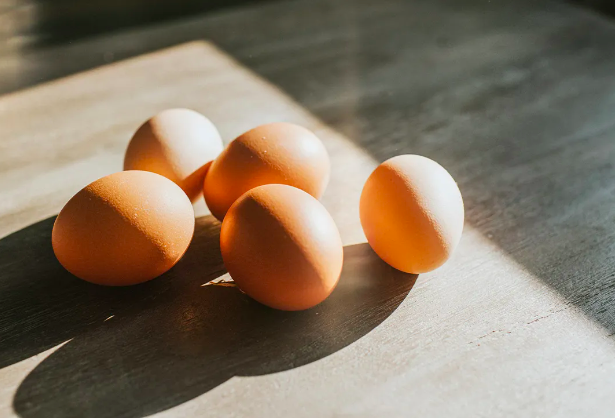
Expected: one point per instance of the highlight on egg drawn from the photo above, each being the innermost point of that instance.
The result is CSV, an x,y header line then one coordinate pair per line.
x,y
275,153
412,213
281,247
123,229
178,144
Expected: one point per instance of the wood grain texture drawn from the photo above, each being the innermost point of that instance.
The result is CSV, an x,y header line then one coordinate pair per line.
x,y
514,98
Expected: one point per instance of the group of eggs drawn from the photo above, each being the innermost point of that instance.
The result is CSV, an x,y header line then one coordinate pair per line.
x,y
278,242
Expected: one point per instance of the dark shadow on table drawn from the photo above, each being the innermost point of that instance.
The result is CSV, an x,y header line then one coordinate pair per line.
x,y
60,21
41,304
139,350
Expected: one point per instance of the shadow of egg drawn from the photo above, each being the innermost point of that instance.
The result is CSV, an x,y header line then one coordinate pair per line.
x,y
181,339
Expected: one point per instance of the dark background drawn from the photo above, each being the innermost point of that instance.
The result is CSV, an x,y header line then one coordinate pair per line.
x,y
31,23
37,22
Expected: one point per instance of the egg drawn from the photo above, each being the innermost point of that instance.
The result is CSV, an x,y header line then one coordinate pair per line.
x,y
275,153
281,247
412,213
178,144
123,229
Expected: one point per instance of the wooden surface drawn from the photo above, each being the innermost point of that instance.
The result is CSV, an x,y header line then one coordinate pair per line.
x,y
515,98
34,23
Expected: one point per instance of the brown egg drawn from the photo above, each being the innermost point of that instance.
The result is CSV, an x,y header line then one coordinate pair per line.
x,y
178,144
281,247
276,153
412,213
123,229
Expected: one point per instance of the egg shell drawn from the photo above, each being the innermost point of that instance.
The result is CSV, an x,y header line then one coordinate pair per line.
x,y
123,229
412,213
275,153
178,144
281,247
